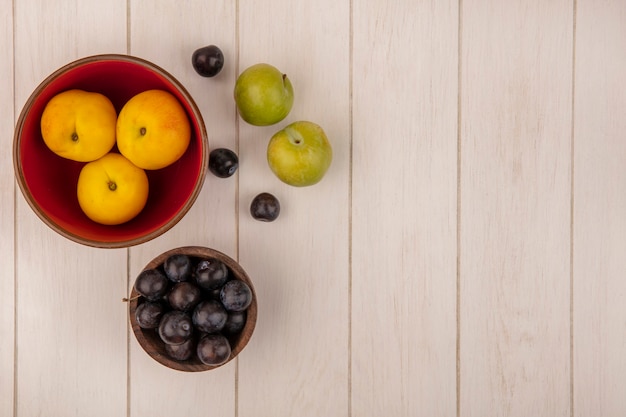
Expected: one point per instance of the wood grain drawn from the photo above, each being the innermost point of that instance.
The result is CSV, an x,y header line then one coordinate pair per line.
x,y
71,333
463,256
7,213
167,33
404,185
297,360
516,77
599,241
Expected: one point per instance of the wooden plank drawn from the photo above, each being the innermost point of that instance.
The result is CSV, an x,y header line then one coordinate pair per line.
x,y
599,301
71,338
404,186
297,360
7,213
516,99
167,34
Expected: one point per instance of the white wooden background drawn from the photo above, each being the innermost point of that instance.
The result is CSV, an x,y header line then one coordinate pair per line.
x,y
465,255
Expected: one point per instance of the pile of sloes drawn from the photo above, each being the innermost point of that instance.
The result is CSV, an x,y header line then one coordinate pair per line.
x,y
197,307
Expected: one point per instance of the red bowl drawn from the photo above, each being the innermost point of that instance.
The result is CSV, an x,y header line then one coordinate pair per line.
x,y
48,182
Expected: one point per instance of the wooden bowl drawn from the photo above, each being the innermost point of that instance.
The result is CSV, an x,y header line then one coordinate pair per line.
x,y
149,338
48,182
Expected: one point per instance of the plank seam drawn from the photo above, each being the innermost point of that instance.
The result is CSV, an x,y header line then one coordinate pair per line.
x,y
15,354
571,248
458,209
350,174
128,29
128,342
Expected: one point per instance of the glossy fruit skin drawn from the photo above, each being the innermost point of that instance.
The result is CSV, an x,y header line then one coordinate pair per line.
x,y
152,284
177,267
265,207
175,327
223,162
211,274
214,294
184,296
153,130
263,95
209,316
208,61
213,350
112,190
236,295
235,322
300,154
183,351
148,314
79,125
181,327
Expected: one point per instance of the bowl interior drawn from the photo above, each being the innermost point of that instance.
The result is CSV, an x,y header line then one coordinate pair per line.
x,y
149,339
49,181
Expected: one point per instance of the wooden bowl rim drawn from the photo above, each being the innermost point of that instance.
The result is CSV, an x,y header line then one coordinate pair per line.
x,y
19,174
246,333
